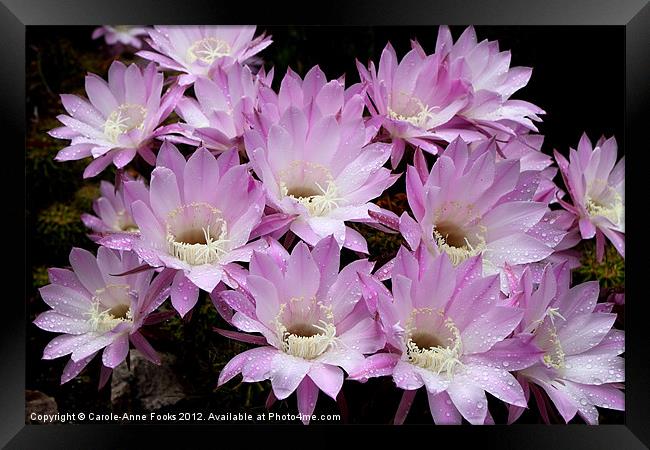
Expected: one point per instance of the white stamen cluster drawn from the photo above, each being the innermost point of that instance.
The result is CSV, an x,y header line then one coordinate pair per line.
x,y
206,221
207,50
459,254
612,211
307,347
419,119
318,204
125,118
197,254
437,359
125,222
103,319
554,356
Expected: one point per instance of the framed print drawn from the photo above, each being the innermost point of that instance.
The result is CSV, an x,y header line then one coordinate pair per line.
x,y
371,218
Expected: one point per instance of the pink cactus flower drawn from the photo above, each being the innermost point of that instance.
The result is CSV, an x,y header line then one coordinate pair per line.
x,y
412,98
217,118
198,220
313,329
580,368
113,208
195,50
95,308
120,120
331,98
469,204
123,34
487,71
527,148
315,164
596,184
447,330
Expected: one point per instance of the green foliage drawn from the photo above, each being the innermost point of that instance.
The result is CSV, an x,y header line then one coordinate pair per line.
x,y
382,246
40,277
58,229
610,273
84,197
48,179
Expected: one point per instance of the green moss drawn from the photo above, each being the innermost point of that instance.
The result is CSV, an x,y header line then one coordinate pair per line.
x,y
60,66
58,229
610,273
396,202
382,246
48,179
84,197
40,277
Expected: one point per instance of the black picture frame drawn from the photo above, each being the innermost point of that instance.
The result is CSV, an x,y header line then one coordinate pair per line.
x,y
16,15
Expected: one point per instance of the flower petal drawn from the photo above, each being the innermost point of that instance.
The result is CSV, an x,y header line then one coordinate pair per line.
x,y
286,373
327,377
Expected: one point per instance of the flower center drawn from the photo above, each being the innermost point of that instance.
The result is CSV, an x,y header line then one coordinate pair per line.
x,y
453,240
612,211
111,306
125,223
207,50
554,353
311,185
302,337
197,234
432,352
554,356
412,110
125,118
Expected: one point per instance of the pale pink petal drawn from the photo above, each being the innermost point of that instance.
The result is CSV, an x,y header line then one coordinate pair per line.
x,y
443,410
469,399
286,374
165,196
327,377
65,300
63,344
405,376
498,382
184,294
307,395
85,267
116,352
205,276
74,368
377,365
301,266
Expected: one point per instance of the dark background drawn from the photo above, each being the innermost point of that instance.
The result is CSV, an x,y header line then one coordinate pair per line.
x,y
578,78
